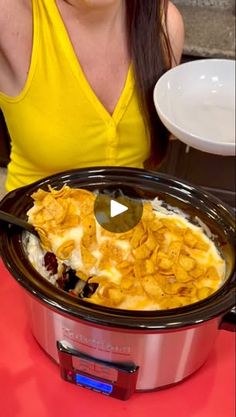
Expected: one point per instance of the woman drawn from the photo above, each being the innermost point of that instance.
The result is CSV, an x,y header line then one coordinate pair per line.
x,y
76,82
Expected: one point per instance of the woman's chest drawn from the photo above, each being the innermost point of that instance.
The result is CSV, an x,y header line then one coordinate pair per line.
x,y
102,55
106,77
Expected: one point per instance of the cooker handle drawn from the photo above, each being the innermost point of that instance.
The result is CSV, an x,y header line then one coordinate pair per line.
x,y
229,321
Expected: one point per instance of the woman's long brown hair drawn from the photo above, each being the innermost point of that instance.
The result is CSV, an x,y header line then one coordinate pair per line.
x,y
151,56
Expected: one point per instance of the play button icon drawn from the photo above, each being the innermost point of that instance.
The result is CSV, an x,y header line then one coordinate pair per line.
x,y
117,208
117,214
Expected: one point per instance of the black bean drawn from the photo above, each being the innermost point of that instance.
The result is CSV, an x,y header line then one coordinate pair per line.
x,y
88,290
50,262
70,280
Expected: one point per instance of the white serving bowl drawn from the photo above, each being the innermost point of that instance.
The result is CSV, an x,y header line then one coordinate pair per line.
x,y
196,102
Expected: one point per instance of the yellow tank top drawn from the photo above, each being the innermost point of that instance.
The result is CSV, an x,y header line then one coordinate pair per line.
x,y
57,122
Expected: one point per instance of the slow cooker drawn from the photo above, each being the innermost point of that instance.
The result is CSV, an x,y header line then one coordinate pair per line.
x,y
111,351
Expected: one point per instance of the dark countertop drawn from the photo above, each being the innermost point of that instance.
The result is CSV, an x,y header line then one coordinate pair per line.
x,y
209,32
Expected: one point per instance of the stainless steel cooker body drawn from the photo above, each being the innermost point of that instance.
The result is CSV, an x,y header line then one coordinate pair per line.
x,y
162,357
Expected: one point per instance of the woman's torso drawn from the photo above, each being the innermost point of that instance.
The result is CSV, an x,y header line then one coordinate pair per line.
x,y
57,121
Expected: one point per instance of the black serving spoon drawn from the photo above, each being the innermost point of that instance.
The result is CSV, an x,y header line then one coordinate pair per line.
x,y
11,219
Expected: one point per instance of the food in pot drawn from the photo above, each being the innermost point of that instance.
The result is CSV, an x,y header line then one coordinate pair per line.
x,y
164,262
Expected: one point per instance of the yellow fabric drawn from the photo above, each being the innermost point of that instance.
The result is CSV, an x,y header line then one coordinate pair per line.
x,y
57,122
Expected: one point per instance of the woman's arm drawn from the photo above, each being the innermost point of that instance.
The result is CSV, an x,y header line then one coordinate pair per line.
x,y
175,32
15,44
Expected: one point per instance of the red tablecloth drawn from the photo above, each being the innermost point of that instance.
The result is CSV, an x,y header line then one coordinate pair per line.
x,y
30,384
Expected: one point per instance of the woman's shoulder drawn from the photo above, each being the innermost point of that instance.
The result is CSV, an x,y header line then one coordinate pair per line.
x,y
12,11
15,18
15,42
175,30
12,7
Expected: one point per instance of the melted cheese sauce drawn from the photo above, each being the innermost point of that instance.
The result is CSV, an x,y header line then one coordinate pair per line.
x,y
205,258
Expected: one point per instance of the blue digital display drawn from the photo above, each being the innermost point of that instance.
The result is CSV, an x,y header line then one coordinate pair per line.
x,y
94,384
